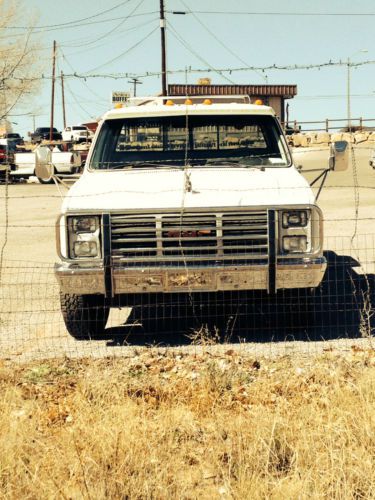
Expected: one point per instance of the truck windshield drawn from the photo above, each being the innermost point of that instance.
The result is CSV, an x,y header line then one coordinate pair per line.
x,y
252,140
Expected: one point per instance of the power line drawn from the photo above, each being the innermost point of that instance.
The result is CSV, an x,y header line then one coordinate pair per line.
x,y
83,81
198,56
219,40
334,96
126,51
85,43
209,69
122,21
247,13
70,22
79,104
37,31
92,43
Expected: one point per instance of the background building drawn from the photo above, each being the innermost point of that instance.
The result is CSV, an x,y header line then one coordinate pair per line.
x,y
271,95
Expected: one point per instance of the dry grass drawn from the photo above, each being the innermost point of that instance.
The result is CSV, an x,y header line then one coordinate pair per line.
x,y
189,426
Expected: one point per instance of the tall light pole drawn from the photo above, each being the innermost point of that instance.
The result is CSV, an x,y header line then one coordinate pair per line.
x,y
349,64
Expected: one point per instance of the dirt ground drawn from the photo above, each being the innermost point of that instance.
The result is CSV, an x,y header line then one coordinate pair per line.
x,y
31,325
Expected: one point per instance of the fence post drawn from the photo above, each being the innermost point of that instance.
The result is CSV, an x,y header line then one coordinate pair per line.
x,y
361,123
327,128
295,126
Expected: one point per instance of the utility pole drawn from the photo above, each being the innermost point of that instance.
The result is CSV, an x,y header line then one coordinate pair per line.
x,y
53,89
135,81
163,54
348,96
63,98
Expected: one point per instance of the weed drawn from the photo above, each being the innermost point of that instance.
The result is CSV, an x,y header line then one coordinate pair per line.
x,y
192,426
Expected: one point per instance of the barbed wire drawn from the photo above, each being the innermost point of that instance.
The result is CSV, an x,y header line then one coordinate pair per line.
x,y
177,190
189,69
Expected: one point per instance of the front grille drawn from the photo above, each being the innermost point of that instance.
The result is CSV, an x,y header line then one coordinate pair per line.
x,y
189,237
133,237
245,232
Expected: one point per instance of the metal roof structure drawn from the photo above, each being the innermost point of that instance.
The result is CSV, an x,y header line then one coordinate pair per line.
x,y
284,91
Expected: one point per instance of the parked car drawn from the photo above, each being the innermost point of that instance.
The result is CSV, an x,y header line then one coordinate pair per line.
x,y
12,138
372,159
6,153
77,133
43,134
3,153
6,160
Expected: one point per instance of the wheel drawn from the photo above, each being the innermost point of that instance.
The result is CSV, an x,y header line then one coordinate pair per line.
x,y
47,180
85,316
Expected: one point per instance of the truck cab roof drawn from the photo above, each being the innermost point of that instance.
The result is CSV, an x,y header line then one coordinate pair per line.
x,y
174,106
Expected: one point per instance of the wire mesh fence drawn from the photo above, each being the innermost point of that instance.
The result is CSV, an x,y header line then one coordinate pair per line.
x,y
341,307
190,277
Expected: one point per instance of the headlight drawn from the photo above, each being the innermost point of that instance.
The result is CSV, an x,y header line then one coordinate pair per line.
x,y
295,244
300,230
84,237
295,218
85,224
85,249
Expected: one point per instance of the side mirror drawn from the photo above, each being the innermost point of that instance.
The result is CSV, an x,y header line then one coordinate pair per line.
x,y
339,156
43,162
77,161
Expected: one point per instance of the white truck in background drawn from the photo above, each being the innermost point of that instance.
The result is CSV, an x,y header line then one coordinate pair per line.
x,y
183,197
77,133
62,163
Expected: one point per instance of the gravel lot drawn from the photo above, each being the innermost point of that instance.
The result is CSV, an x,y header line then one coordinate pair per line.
x,y
30,321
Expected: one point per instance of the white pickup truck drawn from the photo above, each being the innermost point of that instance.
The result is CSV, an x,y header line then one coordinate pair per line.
x,y
181,197
77,133
62,163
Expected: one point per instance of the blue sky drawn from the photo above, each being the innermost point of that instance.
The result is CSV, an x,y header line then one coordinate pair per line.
x,y
115,43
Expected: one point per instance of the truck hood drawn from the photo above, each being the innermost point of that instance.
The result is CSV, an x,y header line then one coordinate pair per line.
x,y
147,189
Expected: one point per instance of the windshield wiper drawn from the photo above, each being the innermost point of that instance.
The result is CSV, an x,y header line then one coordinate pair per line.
x,y
242,162
136,164
229,161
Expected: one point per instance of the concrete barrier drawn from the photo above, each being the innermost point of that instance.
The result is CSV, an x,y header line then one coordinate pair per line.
x,y
316,139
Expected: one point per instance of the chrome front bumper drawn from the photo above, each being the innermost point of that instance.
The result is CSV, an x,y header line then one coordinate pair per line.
x,y
301,273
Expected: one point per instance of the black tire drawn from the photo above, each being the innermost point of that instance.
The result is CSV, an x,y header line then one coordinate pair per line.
x,y
48,180
85,316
